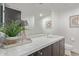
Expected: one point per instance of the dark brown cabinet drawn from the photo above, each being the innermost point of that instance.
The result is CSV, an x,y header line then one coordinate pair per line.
x,y
62,47
56,49
47,51
43,52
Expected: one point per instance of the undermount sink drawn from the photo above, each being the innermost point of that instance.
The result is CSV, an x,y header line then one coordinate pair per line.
x,y
51,36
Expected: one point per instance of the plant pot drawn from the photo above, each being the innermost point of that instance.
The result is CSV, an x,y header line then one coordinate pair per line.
x,y
11,40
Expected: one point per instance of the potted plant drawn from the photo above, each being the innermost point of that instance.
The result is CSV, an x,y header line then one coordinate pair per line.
x,y
12,30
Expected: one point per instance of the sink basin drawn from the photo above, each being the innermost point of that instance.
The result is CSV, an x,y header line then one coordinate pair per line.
x,y
51,36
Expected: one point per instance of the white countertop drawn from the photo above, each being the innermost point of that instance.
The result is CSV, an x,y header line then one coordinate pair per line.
x,y
27,49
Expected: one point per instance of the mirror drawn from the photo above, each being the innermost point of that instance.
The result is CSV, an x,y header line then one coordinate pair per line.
x,y
47,24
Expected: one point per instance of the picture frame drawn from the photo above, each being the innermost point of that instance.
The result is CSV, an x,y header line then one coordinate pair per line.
x,y
74,21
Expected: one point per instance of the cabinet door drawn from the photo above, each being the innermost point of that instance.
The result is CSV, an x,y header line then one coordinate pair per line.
x,y
47,51
55,49
43,52
62,47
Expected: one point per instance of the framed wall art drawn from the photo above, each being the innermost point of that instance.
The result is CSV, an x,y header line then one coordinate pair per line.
x,y
74,21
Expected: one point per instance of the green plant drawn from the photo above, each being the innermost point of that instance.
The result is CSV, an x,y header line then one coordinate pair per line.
x,y
12,29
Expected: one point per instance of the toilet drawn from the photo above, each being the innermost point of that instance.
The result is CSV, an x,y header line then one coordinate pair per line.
x,y
68,49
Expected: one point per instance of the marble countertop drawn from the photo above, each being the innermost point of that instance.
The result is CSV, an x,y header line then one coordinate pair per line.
x,y
27,49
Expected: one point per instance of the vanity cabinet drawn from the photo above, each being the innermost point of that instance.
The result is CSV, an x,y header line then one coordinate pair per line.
x,y
62,47
47,51
43,52
56,49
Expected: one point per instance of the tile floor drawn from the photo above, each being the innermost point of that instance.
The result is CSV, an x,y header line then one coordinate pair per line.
x,y
72,54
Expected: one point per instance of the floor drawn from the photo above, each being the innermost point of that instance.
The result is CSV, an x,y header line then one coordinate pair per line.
x,y
72,54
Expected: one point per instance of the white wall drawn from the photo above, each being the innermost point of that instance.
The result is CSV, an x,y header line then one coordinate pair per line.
x,y
71,34
28,10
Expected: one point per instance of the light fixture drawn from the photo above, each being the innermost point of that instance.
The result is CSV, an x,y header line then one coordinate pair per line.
x,y
41,14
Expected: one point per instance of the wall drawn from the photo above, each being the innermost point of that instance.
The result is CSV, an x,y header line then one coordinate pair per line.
x,y
71,34
29,10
